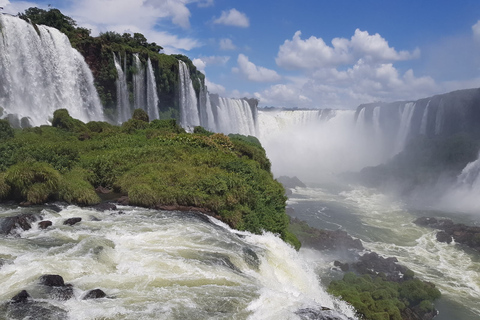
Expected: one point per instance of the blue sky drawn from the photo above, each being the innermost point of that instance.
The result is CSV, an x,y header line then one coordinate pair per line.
x,y
306,54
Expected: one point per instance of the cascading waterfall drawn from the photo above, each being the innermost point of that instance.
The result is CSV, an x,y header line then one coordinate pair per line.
x,y
439,118
207,119
189,115
123,105
41,72
139,82
423,124
152,95
405,122
376,122
235,116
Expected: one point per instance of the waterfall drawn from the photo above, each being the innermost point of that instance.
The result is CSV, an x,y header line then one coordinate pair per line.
x,y
360,124
235,116
423,124
139,83
123,106
189,115
152,96
41,72
376,122
207,119
404,129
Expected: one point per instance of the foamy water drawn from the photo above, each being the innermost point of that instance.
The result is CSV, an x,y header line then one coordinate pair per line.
x,y
385,226
161,265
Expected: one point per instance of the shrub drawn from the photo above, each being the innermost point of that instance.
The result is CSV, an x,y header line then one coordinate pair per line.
x,y
33,181
140,114
75,188
6,130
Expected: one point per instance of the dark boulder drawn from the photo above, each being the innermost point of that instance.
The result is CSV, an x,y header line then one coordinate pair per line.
x,y
55,287
372,263
343,266
442,236
44,224
52,280
94,294
32,310
105,206
72,221
22,221
21,297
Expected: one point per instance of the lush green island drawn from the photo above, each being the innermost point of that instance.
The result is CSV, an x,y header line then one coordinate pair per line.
x,y
155,164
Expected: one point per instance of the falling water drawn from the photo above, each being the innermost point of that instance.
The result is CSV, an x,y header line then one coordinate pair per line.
x,y
207,119
189,115
439,117
123,106
41,72
404,129
139,83
235,116
423,124
152,96
376,121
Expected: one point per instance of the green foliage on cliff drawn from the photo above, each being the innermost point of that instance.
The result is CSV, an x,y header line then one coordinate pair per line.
x,y
377,298
153,163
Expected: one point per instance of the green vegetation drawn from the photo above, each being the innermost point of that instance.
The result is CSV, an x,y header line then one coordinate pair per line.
x,y
154,164
379,299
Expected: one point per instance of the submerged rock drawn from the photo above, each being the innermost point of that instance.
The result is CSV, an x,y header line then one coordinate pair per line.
x,y
251,258
321,314
22,297
94,294
22,221
33,310
105,206
72,221
55,287
52,280
44,224
463,234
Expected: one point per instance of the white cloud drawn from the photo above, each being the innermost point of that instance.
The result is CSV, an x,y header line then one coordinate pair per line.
x,y
253,72
476,30
233,18
202,62
129,16
227,44
315,53
17,6
215,88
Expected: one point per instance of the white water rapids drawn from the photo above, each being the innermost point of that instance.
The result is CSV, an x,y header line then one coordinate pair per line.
x,y
160,265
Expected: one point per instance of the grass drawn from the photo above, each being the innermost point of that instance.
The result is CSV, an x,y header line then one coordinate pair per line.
x,y
153,163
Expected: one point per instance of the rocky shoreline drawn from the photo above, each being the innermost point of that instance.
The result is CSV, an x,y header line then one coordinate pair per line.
x,y
449,231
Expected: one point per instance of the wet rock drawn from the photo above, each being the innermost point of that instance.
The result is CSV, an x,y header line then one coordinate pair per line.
x,y
55,287
44,224
105,206
462,234
93,218
52,280
33,310
72,221
123,200
372,263
343,266
54,207
102,190
21,297
442,236
251,258
320,314
22,221
94,294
